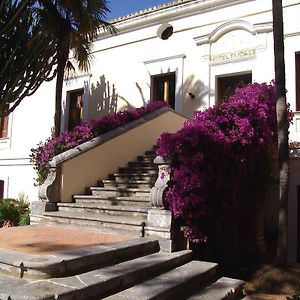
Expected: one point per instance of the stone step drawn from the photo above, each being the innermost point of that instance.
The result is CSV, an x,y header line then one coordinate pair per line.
x,y
77,261
115,201
100,222
223,289
152,170
128,184
119,192
140,164
151,152
100,283
146,158
177,283
8,283
124,177
80,208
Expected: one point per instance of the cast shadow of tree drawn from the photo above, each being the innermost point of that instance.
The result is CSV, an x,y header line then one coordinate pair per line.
x,y
104,99
194,92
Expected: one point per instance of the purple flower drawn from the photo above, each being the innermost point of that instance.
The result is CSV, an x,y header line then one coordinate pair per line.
x,y
85,131
215,154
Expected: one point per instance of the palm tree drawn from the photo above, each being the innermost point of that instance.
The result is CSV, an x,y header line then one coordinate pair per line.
x,y
74,25
282,126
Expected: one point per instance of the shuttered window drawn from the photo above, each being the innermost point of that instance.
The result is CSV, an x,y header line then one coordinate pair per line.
x,y
4,126
1,189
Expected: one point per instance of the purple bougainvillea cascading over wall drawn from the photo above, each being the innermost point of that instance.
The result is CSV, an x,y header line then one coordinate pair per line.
x,y
42,155
213,155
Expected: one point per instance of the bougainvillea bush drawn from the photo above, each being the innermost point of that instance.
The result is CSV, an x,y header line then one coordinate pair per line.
x,y
215,155
45,151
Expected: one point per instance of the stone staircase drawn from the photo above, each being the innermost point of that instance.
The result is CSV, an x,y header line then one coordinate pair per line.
x,y
120,202
134,269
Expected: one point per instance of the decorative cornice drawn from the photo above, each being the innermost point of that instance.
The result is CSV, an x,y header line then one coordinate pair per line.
x,y
168,12
233,25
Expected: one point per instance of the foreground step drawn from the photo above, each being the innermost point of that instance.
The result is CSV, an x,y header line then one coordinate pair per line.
x,y
101,222
9,283
175,284
99,283
224,288
71,262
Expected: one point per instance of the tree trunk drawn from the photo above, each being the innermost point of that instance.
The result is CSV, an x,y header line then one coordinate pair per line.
x,y
61,64
282,127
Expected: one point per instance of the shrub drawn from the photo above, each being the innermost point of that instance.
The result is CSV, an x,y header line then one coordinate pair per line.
x,y
216,155
45,151
12,212
8,213
24,219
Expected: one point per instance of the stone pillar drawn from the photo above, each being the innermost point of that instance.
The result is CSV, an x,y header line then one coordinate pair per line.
x,y
160,223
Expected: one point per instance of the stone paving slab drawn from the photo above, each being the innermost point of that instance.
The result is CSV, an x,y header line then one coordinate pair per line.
x,y
9,283
69,262
38,240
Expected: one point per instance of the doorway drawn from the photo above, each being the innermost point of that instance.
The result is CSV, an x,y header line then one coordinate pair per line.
x,y
163,88
226,85
75,108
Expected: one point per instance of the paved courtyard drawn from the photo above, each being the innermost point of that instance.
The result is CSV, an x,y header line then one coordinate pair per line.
x,y
38,240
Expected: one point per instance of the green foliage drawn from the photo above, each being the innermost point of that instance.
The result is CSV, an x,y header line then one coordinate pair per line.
x,y
27,53
74,25
9,212
14,212
24,220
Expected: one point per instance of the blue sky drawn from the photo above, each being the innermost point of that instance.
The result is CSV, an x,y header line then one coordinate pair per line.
x,y
123,7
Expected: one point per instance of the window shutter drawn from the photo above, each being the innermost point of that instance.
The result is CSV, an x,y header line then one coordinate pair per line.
x,y
4,126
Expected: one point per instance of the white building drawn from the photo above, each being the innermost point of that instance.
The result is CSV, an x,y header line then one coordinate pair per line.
x,y
187,52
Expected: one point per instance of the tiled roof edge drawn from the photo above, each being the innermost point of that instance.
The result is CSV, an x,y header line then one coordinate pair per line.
x,y
150,10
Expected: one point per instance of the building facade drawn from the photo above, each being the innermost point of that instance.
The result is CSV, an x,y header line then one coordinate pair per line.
x,y
191,53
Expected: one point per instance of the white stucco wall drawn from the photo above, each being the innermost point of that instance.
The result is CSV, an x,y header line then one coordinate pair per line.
x,y
29,124
207,34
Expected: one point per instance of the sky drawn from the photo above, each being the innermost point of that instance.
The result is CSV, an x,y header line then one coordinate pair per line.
x,y
124,7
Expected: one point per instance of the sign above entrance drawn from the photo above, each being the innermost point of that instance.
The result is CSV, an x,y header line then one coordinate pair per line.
x,y
239,54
